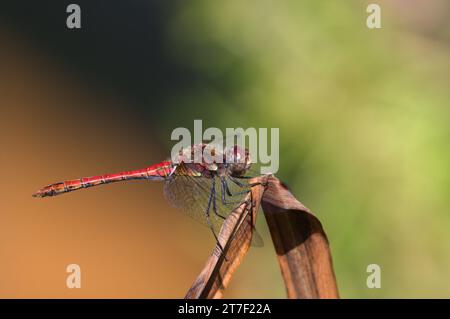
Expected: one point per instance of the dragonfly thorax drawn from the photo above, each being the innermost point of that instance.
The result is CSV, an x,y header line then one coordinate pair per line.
x,y
235,161
240,161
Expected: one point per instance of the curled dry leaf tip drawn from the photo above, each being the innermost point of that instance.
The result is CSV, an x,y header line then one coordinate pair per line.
x,y
300,243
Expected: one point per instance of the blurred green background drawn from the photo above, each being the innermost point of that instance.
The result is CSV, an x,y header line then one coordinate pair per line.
x,y
363,117
363,113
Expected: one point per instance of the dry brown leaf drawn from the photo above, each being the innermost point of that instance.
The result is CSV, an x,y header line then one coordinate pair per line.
x,y
219,268
299,240
300,243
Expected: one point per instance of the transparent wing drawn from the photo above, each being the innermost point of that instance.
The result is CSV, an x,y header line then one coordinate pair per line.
x,y
241,186
207,200
199,198
189,194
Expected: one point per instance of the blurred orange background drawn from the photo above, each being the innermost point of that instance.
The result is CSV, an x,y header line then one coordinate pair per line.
x,y
363,117
127,240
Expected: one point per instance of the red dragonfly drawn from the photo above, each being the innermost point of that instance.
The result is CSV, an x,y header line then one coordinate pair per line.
x,y
207,191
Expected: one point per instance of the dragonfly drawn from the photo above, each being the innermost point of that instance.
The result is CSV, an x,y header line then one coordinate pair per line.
x,y
207,190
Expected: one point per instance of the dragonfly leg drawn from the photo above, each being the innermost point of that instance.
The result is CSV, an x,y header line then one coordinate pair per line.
x,y
208,220
240,184
239,203
244,177
213,191
226,190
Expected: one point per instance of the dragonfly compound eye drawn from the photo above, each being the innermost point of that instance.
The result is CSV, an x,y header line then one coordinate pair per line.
x,y
239,160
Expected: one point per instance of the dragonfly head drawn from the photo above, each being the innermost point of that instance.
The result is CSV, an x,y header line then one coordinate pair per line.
x,y
241,161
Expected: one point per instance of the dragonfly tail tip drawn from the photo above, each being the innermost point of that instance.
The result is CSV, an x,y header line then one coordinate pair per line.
x,y
38,194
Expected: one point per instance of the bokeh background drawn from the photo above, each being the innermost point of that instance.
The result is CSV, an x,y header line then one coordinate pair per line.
x,y
364,138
